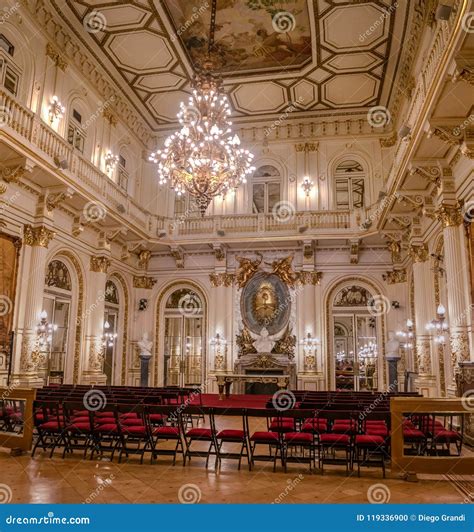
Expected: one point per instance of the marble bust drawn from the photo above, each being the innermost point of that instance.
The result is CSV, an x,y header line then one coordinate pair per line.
x,y
392,347
145,346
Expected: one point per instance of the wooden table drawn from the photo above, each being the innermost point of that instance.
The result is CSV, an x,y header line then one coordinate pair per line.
x,y
225,380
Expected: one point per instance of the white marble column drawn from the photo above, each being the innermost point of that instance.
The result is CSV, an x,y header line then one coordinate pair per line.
x,y
93,363
457,291
36,240
424,313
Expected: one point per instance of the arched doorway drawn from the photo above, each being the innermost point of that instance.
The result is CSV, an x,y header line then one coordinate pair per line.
x,y
184,338
355,338
57,301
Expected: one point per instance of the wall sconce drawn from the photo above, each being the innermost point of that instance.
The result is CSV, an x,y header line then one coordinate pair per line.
x,y
307,185
220,351
56,110
108,338
309,353
439,325
111,161
44,332
407,335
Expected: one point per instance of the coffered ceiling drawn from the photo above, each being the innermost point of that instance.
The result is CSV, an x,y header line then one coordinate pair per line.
x,y
320,58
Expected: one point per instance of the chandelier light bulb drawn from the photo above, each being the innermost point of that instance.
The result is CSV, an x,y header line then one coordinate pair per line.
x,y
441,310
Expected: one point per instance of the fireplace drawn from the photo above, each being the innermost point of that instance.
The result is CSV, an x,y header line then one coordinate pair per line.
x,y
262,388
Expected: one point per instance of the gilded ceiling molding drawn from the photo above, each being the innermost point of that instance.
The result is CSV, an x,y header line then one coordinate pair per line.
x,y
3,188
77,54
37,236
395,276
307,147
110,116
389,142
54,200
419,252
313,278
450,215
219,252
57,58
99,264
142,281
221,279
432,174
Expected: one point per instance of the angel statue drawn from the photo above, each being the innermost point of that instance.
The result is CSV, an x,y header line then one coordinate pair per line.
x,y
247,267
264,342
283,268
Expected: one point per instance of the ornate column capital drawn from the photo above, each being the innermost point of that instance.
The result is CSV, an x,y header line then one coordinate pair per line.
x,y
57,58
221,279
419,252
313,278
396,276
142,281
99,264
450,215
37,236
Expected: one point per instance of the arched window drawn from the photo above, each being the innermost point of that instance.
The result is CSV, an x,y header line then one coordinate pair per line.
x,y
76,135
266,189
10,73
57,304
349,183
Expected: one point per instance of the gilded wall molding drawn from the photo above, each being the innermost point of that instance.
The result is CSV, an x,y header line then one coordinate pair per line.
x,y
37,236
450,215
419,252
396,276
123,371
313,278
99,264
57,58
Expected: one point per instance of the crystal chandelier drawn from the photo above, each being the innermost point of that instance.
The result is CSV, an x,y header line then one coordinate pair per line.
x,y
204,157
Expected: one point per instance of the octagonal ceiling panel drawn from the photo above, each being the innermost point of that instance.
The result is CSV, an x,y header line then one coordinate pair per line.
x,y
329,55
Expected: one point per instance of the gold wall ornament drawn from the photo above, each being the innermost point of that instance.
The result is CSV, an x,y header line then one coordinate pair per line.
x,y
221,279
388,142
3,188
313,278
37,236
99,264
244,343
286,345
110,116
142,281
450,215
459,342
419,252
396,276
219,253
306,147
264,361
423,353
247,269
265,303
395,248
308,251
144,257
96,354
283,268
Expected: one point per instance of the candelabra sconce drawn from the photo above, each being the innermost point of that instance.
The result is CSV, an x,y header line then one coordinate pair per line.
x,y
309,353
220,352
407,340
56,110
44,333
111,161
307,186
108,338
439,326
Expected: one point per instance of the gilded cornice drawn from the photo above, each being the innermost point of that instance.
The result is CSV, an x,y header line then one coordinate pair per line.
x,y
221,279
419,252
37,236
395,276
313,278
450,215
57,58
